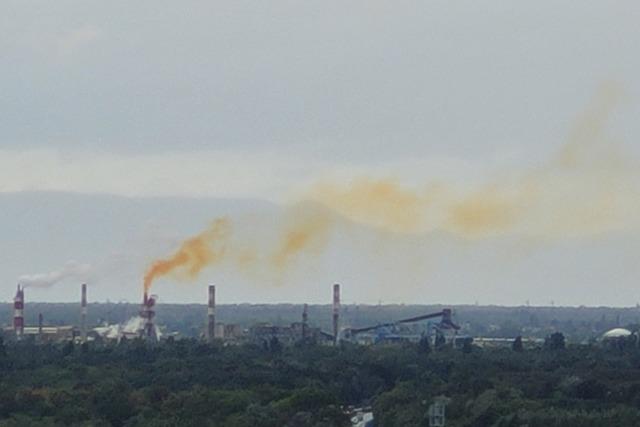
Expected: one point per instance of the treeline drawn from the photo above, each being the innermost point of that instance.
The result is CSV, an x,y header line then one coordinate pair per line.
x,y
190,383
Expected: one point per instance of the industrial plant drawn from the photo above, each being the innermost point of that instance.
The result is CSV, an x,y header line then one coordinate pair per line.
x,y
144,326
141,326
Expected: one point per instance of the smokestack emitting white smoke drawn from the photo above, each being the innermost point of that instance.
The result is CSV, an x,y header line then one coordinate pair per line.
x,y
71,270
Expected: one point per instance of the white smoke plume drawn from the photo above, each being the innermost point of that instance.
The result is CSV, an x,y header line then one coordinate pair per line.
x,y
71,270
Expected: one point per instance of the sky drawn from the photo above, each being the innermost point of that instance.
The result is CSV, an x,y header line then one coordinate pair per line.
x,y
264,100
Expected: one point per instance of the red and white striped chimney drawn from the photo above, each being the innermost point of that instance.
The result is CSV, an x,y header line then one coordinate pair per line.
x,y
18,313
148,313
336,311
83,313
211,314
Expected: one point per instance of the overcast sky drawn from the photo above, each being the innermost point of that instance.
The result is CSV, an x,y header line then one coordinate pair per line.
x,y
338,85
260,99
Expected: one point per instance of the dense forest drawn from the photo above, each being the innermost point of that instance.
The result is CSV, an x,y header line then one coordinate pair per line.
x,y
190,383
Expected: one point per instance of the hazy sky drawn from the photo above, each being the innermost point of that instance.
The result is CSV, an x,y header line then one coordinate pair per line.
x,y
95,92
260,99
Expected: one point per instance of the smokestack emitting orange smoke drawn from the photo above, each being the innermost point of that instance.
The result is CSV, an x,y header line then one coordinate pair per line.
x,y
581,192
194,254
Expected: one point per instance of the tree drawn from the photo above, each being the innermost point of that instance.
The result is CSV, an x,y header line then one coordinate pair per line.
x,y
555,341
440,340
591,389
274,345
466,346
424,346
68,348
111,401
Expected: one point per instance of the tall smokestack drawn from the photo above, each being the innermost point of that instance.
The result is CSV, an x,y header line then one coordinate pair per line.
x,y
305,319
211,314
147,313
336,312
18,313
83,313
40,325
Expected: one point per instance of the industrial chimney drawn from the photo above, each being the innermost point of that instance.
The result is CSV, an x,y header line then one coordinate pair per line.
x,y
211,314
148,313
40,326
336,312
18,313
305,319
83,313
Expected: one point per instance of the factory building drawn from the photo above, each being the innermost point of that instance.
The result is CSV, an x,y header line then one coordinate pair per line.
x,y
229,331
491,342
18,331
49,334
135,328
287,335
264,333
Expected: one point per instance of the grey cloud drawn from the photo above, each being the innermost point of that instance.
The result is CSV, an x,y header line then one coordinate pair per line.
x,y
349,80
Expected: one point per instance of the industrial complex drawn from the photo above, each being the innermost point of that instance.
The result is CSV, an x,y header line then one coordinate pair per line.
x,y
437,327
433,326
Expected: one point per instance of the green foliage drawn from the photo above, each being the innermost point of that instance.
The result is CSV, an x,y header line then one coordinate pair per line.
x,y
424,345
440,340
188,383
555,341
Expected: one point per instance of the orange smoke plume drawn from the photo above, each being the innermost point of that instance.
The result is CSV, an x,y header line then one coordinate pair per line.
x,y
194,254
307,229
379,203
481,212
588,143
587,189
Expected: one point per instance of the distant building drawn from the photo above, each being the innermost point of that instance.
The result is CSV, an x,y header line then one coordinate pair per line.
x,y
228,331
362,418
506,342
616,334
133,328
233,330
437,411
619,337
264,332
44,334
218,330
